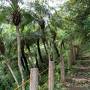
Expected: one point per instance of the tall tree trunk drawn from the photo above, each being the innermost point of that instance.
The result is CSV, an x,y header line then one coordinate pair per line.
x,y
72,54
76,50
37,64
25,61
55,47
19,56
9,67
39,51
62,67
45,47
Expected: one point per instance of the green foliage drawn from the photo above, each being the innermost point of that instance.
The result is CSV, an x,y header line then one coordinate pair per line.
x,y
71,24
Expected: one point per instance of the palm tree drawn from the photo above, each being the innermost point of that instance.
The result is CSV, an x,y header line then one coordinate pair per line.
x,y
16,18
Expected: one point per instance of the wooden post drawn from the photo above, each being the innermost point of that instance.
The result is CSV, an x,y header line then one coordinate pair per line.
x,y
34,79
51,75
62,69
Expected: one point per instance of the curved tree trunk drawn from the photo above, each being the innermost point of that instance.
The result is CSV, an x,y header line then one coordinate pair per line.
x,y
9,67
19,56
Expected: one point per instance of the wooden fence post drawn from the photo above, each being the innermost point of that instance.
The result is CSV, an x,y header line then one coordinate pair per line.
x,y
51,75
34,79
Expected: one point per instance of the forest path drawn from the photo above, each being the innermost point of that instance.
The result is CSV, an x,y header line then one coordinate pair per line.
x,y
80,77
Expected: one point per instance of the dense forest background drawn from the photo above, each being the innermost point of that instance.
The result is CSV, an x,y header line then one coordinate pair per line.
x,y
34,33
